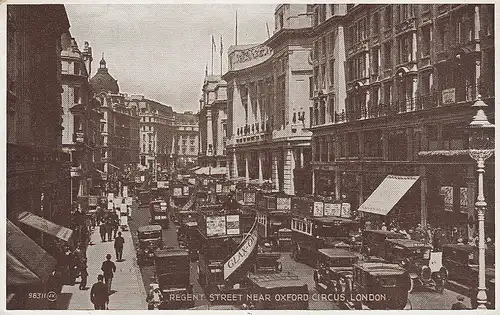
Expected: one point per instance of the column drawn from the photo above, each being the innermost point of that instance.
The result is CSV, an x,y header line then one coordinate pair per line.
x,y
247,175
471,195
367,103
337,184
275,177
477,48
414,93
289,166
423,196
261,179
235,165
301,157
359,176
210,140
414,47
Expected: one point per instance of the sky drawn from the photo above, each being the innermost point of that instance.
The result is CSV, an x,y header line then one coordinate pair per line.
x,y
161,50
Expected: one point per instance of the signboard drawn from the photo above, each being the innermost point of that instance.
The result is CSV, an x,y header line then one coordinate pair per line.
x,y
125,191
92,201
177,191
337,209
283,203
111,196
185,190
162,184
232,224
117,201
123,208
448,96
128,201
110,205
318,209
345,210
218,188
138,179
143,178
192,181
249,198
244,250
232,187
329,209
216,225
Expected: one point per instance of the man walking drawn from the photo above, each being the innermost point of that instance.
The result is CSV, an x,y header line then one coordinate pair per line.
x,y
102,231
109,228
108,268
99,295
84,274
119,241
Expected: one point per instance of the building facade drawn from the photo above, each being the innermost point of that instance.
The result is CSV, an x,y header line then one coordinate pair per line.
x,y
412,74
38,172
156,131
212,119
119,125
81,119
184,148
268,104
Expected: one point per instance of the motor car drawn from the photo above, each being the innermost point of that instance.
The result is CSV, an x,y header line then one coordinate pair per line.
x,y
150,237
188,238
387,284
267,261
461,264
172,271
334,266
424,265
373,241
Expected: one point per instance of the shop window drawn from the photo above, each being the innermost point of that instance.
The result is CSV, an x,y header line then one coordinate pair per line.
x,y
373,143
426,41
463,199
446,193
455,137
398,149
353,144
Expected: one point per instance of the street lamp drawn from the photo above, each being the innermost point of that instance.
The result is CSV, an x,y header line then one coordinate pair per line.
x,y
481,147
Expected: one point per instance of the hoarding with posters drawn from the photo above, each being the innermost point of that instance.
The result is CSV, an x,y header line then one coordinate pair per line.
x,y
216,225
318,209
244,250
233,224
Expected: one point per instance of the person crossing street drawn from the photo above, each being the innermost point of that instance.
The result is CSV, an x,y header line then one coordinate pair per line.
x,y
108,268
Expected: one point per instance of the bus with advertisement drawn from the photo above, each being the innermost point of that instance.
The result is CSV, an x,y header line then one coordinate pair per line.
x,y
273,219
159,213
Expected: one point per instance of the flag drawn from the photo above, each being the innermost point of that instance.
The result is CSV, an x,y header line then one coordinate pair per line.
x,y
214,46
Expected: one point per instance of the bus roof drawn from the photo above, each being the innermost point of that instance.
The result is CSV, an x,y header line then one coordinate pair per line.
x,y
149,228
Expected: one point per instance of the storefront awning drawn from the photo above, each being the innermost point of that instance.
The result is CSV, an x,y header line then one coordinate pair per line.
x,y
387,194
45,226
26,261
211,171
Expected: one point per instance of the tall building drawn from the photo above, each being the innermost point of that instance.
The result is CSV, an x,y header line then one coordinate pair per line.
x,y
412,74
184,148
81,119
212,122
38,174
119,124
156,131
268,89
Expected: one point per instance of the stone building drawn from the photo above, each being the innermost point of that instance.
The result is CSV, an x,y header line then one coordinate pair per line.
x,y
212,122
38,172
184,148
412,74
268,97
156,131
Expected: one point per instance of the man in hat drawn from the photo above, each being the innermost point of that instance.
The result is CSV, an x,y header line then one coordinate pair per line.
x,y
108,268
99,295
459,305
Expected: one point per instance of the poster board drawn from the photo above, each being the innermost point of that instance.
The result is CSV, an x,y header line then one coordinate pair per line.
x,y
329,209
318,209
192,181
125,191
345,210
177,191
128,201
249,197
162,184
92,201
283,203
185,190
216,225
218,188
232,224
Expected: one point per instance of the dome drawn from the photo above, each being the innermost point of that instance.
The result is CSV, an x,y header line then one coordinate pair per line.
x,y
103,81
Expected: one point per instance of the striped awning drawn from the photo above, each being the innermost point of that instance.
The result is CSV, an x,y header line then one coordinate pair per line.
x,y
387,194
46,226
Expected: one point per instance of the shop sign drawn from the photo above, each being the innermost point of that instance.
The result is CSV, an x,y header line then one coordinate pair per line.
x,y
244,251
448,96
92,201
232,224
216,225
162,184
177,191
283,203
318,209
345,210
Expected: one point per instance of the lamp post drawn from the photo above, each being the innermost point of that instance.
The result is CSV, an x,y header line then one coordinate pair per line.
x,y
210,151
481,147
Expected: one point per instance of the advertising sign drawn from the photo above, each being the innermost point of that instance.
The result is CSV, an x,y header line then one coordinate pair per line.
x,y
216,225
92,201
111,196
328,209
185,190
143,178
125,191
232,224
177,191
123,209
337,209
249,198
346,210
128,201
244,250
110,205
117,201
283,203
218,188
138,179
192,181
162,184
448,96
318,209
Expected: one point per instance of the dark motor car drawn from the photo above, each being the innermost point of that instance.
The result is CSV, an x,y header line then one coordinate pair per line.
x,y
150,237
335,267
189,238
422,263
389,283
461,264
374,241
172,275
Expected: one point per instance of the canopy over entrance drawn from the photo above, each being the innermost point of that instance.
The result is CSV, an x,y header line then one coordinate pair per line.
x,y
45,226
206,170
387,194
26,261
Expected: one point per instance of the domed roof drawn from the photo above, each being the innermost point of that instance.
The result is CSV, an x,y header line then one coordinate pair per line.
x,y
103,81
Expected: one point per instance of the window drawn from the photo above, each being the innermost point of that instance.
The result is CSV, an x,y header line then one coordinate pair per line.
x,y
376,23
463,199
76,69
103,153
316,50
441,37
454,136
332,42
388,16
342,145
398,145
311,87
426,83
331,150
144,137
353,144
323,46
76,95
324,149
316,77
388,55
323,76
405,48
376,60
373,143
426,41
424,8
332,72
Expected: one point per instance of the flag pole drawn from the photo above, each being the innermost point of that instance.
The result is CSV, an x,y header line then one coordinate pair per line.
x,y
221,56
212,45
236,30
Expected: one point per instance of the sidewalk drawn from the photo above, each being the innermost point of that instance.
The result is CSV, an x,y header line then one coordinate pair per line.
x,y
127,282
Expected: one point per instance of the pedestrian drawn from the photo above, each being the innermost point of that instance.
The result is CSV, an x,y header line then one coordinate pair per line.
x,y
119,241
109,229
84,274
116,224
99,295
102,231
108,268
154,297
384,227
459,304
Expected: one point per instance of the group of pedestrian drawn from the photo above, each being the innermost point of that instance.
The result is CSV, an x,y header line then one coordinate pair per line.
x,y
101,290
109,228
